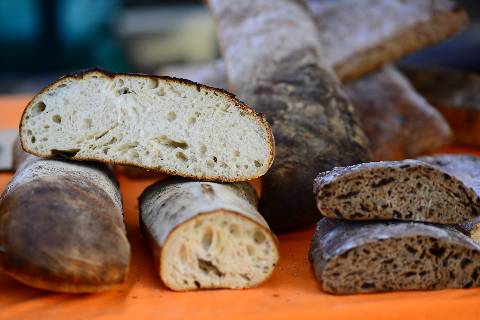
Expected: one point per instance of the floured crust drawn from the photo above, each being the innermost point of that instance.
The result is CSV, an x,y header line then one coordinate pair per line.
x,y
243,109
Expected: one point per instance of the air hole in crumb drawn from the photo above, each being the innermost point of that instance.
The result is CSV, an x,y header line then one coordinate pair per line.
x,y
161,92
257,163
57,119
250,250
203,149
46,126
236,153
192,120
29,132
214,159
34,139
87,123
181,156
39,108
234,230
246,166
105,151
171,116
45,139
207,239
183,254
134,154
120,82
153,84
258,236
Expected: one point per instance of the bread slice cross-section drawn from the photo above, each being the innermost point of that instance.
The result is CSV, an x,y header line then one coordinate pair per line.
x,y
207,235
171,125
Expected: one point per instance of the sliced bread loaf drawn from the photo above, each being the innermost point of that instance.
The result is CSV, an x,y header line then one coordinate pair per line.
x,y
170,125
207,235
353,257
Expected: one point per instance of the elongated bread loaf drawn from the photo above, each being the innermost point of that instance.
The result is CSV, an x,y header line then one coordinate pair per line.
x,y
175,126
403,190
398,121
61,226
455,94
353,257
313,122
207,235
378,32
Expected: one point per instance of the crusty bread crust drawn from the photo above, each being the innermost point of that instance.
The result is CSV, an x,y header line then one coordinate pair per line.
x,y
259,118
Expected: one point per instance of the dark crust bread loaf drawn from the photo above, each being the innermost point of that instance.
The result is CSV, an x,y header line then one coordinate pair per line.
x,y
409,190
313,122
206,235
394,116
244,110
359,257
456,94
61,227
381,31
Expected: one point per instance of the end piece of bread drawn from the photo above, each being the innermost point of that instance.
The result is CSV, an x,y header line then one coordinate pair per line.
x,y
404,190
207,235
61,226
359,257
171,125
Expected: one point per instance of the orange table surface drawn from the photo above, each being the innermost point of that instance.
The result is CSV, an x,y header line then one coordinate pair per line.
x,y
292,292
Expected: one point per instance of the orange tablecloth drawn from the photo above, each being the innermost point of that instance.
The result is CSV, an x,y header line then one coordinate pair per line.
x,y
292,293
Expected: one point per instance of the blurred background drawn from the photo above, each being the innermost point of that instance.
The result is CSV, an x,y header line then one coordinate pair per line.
x,y
42,39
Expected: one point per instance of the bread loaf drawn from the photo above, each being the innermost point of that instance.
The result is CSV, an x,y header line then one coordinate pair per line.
x,y
61,227
170,125
455,94
353,257
398,121
361,36
207,235
402,190
313,122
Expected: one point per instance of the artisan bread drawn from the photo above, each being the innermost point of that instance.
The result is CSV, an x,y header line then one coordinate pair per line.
x,y
402,190
456,94
313,122
353,257
61,226
207,235
378,32
398,121
171,125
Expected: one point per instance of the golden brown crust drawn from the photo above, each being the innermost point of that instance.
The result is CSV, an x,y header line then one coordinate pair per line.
x,y
237,103
404,41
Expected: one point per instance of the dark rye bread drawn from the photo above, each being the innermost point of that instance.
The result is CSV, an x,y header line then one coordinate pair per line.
x,y
403,190
456,94
312,120
378,32
359,257
61,226
398,121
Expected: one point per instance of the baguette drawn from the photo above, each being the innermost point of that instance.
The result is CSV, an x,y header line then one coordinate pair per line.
x,y
313,122
410,190
353,257
381,31
394,116
207,235
174,126
455,94
61,226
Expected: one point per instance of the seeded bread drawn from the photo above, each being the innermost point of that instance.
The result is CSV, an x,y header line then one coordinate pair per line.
x,y
377,32
207,235
455,94
402,190
174,126
395,117
61,226
313,122
358,257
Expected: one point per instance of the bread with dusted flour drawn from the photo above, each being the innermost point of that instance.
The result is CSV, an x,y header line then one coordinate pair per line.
x,y
171,125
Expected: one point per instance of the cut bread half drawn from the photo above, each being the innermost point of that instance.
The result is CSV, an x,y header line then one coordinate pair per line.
x,y
171,125
408,190
207,235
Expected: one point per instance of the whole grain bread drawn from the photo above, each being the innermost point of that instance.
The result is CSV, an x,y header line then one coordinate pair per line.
x,y
61,226
313,122
456,94
171,125
207,235
410,190
357,257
